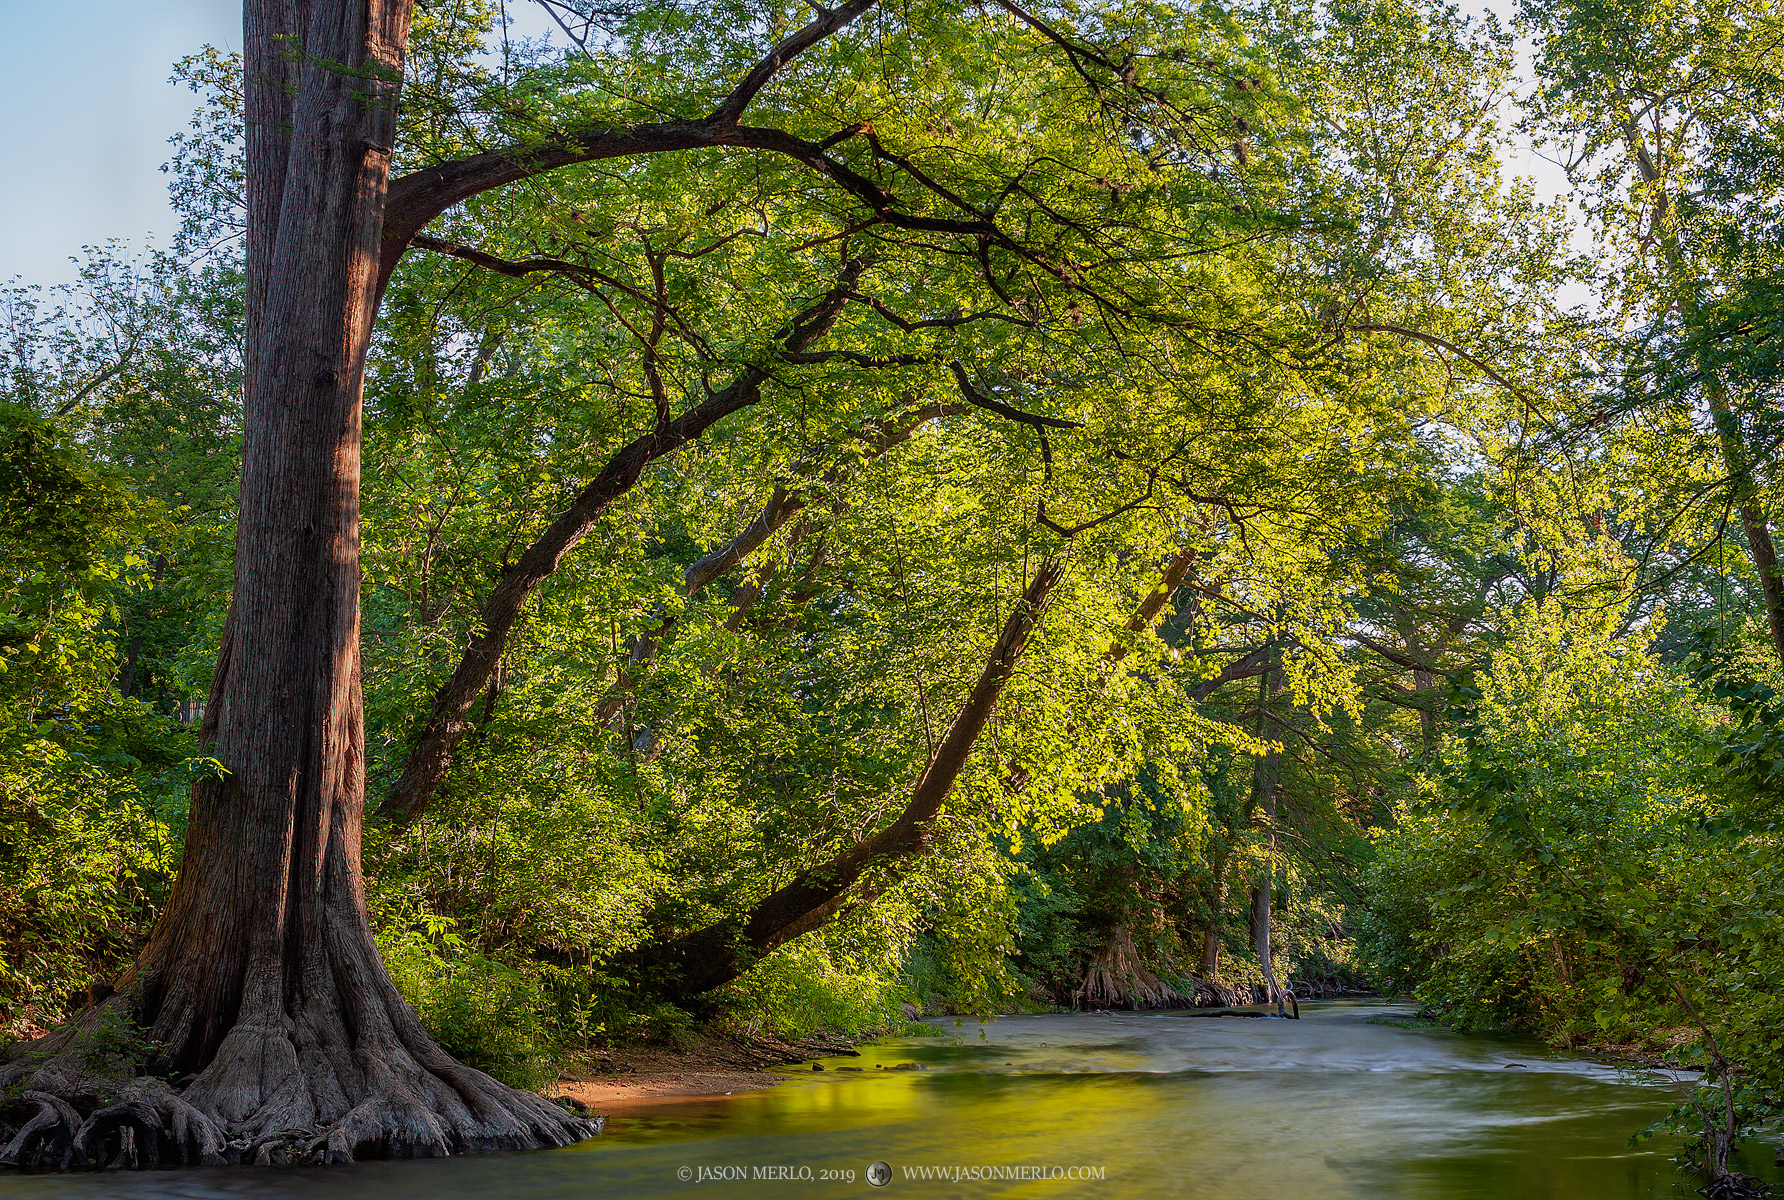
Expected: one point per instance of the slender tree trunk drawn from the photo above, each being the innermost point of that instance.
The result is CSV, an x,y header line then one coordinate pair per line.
x,y
1209,966
1736,460
1260,932
1267,781
260,987
127,676
1753,520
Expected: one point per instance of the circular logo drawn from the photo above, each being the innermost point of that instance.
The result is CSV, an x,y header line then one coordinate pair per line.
x,y
684,1173
879,1174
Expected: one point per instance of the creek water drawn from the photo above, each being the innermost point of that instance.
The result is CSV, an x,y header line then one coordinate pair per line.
x,y
1351,1101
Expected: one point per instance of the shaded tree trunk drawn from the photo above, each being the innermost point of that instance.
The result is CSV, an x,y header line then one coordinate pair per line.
x,y
260,989
127,674
1209,965
1260,933
1262,917
1736,458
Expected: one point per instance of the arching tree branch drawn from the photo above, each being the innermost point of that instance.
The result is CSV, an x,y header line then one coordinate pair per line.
x,y
697,962
446,724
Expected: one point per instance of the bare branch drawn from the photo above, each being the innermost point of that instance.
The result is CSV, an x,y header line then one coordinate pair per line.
x,y
828,21
978,399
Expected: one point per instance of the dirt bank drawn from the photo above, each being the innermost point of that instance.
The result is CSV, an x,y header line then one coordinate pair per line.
x,y
710,1064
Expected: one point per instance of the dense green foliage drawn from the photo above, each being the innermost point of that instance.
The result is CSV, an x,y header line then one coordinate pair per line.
x,y
1470,672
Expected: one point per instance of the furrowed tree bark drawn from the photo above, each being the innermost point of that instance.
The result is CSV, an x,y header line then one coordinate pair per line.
x,y
697,962
261,988
447,721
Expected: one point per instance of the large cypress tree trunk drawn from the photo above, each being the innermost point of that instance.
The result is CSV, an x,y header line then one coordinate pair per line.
x,y
261,991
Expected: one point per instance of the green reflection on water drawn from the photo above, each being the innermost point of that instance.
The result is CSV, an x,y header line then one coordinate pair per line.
x,y
1333,1106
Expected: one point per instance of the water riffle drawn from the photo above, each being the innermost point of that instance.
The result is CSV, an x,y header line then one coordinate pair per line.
x,y
1349,1102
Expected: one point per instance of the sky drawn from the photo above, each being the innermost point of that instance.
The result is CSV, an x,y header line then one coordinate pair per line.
x,y
89,110
88,146
88,114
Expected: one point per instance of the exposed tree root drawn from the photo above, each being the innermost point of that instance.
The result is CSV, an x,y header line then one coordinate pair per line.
x,y
1118,977
261,1101
1733,1186
45,1141
1209,993
144,1125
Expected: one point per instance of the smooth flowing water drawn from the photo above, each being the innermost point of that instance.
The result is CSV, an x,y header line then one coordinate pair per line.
x,y
1344,1103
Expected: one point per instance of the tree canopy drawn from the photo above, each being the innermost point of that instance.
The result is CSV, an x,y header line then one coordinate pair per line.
x,y
774,514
